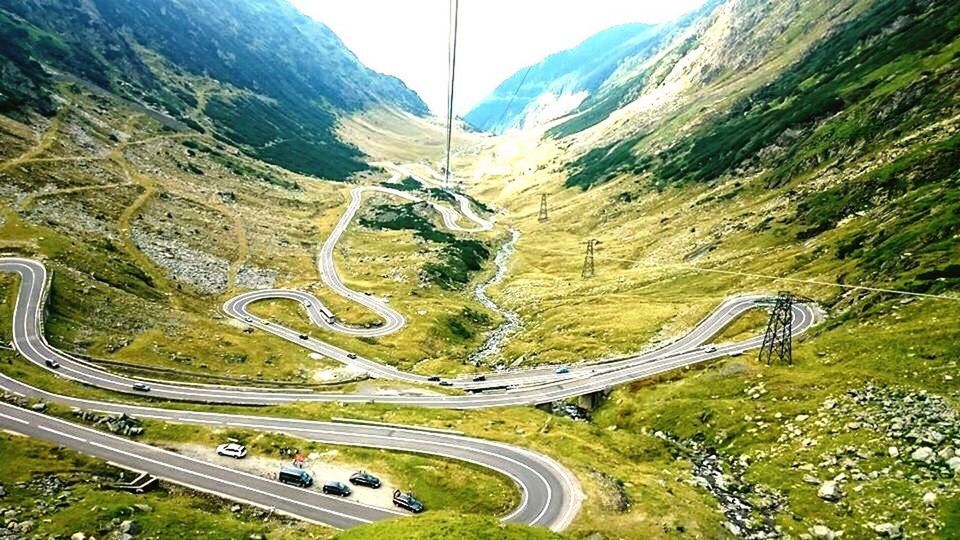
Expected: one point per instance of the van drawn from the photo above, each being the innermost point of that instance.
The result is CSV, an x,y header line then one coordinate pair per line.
x,y
295,476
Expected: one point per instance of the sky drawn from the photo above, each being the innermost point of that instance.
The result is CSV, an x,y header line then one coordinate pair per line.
x,y
408,38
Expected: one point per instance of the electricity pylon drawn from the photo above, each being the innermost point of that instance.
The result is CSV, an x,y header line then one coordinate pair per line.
x,y
778,339
543,208
589,269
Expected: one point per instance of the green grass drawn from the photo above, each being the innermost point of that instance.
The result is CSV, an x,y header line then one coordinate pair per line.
x,y
442,484
459,258
170,511
447,525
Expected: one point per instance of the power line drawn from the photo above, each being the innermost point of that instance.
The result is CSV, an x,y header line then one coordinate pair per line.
x,y
802,281
516,91
452,72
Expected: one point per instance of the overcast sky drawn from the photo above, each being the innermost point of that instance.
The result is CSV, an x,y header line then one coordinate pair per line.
x,y
497,37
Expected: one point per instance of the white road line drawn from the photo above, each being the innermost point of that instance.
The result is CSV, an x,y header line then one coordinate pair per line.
x,y
62,434
24,422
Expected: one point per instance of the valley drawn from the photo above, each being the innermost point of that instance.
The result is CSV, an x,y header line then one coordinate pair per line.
x,y
275,255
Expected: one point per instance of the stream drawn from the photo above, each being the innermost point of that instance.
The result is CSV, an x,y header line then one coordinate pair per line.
x,y
494,342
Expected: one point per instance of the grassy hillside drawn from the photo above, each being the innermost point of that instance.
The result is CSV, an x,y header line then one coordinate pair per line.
x,y
276,98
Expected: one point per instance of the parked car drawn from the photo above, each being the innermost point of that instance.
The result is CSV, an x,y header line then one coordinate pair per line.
x,y
295,476
51,363
363,478
480,378
563,369
141,387
234,450
336,488
433,378
407,501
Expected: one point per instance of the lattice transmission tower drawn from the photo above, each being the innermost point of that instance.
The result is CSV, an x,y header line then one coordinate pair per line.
x,y
778,339
589,268
543,208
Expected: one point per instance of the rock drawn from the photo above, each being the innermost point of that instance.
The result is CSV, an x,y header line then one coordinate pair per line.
x,y
143,507
929,498
888,530
954,464
893,451
25,526
78,536
830,491
822,532
923,454
3,492
130,527
813,480
946,453
235,508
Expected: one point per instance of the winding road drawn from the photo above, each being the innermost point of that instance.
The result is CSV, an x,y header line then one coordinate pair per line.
x,y
551,495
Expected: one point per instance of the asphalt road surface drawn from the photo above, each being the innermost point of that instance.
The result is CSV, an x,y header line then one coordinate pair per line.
x,y
551,495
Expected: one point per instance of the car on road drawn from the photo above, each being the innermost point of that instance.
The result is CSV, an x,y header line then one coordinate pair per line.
x,y
295,476
351,355
248,319
304,336
339,489
308,304
141,387
710,348
51,363
234,450
446,383
363,478
480,378
433,378
407,501
562,369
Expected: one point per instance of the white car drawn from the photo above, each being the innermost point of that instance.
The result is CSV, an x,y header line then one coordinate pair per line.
x,y
248,319
233,450
710,348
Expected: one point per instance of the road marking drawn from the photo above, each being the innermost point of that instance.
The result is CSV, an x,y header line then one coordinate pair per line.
x,y
24,422
62,434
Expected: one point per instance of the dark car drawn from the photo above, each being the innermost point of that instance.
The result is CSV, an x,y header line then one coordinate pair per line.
x,y
295,476
433,379
407,501
141,387
336,488
51,363
363,478
446,383
479,378
351,356
304,336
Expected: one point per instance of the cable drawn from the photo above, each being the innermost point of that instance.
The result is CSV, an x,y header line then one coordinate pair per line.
x,y
452,72
513,97
755,275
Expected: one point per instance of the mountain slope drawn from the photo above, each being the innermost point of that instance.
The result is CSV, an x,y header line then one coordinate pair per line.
x,y
564,76
258,73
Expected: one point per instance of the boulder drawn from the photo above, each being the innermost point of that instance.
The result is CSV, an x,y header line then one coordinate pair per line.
x,y
929,498
954,464
830,491
923,454
888,530
893,451
822,532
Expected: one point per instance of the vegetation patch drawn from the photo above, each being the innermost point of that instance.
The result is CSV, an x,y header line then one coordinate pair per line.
x,y
458,257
